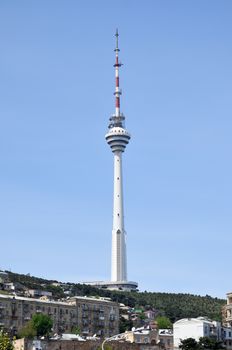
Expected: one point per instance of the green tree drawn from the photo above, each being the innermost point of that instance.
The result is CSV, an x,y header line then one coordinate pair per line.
x,y
125,325
210,343
189,344
5,343
28,331
163,322
42,324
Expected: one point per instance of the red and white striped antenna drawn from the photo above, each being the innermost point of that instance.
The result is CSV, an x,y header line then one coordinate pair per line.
x,y
118,118
117,90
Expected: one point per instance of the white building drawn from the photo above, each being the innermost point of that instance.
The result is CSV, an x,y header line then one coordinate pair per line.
x,y
227,337
195,328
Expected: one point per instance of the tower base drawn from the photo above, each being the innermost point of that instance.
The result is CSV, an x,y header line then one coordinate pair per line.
x,y
124,286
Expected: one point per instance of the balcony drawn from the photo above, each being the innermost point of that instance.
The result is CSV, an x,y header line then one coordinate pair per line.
x,y
27,318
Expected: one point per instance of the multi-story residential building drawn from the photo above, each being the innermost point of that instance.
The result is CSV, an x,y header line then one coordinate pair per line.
x,y
227,337
195,328
96,316
90,315
228,311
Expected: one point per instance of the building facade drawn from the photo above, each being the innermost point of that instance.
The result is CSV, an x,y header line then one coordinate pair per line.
x,y
228,311
195,328
89,315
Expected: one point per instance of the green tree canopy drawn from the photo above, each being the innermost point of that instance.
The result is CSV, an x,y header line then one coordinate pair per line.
x,y
189,344
28,331
163,322
5,343
210,343
205,343
42,324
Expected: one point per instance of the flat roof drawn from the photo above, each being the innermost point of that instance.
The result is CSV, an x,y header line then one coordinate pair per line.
x,y
65,303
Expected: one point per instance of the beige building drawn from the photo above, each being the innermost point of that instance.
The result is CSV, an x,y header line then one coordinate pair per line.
x,y
88,315
141,336
228,310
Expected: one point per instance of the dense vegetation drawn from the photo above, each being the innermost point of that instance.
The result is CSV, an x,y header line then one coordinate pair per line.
x,y
39,325
202,344
174,306
5,342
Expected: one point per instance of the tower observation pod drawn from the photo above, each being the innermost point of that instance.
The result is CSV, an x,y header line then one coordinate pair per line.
x,y
117,138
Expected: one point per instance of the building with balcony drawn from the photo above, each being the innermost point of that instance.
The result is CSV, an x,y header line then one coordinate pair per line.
x,y
90,315
227,311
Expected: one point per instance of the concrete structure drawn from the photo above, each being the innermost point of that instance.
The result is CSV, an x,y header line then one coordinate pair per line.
x,y
90,315
23,344
195,328
38,293
141,335
228,311
117,138
166,339
227,337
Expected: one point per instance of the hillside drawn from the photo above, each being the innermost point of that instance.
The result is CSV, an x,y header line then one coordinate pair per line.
x,y
174,306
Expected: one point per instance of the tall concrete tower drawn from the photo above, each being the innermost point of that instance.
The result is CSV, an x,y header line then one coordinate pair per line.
x,y
117,137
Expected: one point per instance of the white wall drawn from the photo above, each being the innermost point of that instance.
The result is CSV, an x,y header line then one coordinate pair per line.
x,y
188,329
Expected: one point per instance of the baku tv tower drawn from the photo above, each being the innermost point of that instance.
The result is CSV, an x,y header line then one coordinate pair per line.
x,y
117,138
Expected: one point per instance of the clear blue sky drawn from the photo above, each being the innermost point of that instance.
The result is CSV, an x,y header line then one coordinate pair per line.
x,y
56,176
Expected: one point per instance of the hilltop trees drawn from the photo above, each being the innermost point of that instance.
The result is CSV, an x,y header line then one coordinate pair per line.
x,y
174,306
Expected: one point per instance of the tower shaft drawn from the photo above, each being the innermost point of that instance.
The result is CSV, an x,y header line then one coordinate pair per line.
x,y
118,267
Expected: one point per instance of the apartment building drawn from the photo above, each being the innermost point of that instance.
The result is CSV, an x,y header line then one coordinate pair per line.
x,y
96,316
227,317
89,315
